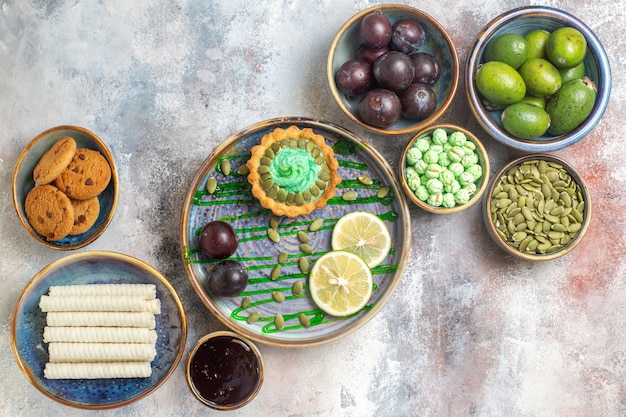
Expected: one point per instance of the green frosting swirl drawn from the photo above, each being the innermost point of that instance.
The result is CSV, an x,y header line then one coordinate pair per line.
x,y
294,170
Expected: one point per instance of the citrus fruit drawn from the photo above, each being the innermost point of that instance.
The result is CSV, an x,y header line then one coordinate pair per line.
x,y
537,39
500,83
340,283
566,47
363,234
509,48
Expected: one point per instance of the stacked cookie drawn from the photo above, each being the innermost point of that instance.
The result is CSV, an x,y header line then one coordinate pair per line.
x,y
68,181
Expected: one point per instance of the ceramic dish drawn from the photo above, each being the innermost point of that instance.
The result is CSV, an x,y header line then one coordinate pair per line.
x,y
233,203
548,215
240,367
437,43
479,185
23,182
522,20
96,267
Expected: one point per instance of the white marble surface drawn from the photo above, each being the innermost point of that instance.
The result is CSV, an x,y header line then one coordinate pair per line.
x,y
469,332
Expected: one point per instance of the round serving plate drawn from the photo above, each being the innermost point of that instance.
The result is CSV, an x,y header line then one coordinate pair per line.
x,y
96,267
233,202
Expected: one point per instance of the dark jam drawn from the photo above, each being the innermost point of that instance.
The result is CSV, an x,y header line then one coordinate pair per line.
x,y
225,371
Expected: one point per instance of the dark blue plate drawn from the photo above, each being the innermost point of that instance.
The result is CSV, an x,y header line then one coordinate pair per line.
x,y
96,267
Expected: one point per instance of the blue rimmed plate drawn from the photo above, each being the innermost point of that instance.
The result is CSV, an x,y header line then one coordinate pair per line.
x,y
233,202
96,267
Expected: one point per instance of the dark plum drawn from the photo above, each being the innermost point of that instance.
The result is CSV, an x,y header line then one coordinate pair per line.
x,y
354,77
407,36
380,107
375,30
418,101
427,70
370,55
218,239
394,71
227,278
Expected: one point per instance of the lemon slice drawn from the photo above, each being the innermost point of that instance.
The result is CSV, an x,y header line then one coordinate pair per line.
x,y
363,234
340,283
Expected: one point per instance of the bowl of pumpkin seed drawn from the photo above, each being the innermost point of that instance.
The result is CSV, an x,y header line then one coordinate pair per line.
x,y
537,207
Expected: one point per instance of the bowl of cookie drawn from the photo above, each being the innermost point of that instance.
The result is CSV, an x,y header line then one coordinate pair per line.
x,y
65,187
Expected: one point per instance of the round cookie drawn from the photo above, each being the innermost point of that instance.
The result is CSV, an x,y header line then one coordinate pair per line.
x,y
87,175
49,211
85,214
54,161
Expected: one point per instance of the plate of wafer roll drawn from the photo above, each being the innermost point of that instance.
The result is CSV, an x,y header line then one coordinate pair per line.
x,y
98,330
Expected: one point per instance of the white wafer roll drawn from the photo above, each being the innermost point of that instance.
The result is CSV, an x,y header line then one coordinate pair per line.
x,y
97,370
99,303
148,291
101,318
101,352
99,335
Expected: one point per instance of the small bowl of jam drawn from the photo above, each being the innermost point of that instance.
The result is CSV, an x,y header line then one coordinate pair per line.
x,y
224,370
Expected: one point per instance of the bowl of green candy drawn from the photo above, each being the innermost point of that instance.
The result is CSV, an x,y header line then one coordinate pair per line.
x,y
444,169
537,208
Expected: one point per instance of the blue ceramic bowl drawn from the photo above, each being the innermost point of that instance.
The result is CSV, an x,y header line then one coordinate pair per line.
x,y
521,21
437,43
23,182
96,267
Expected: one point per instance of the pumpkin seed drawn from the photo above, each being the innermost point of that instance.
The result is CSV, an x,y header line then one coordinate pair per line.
x,y
275,272
282,257
382,192
304,265
211,185
297,288
303,237
225,166
267,184
323,175
365,180
281,195
316,225
315,190
306,248
274,222
304,320
299,199
279,321
264,169
278,296
243,170
269,153
320,184
245,303
291,197
350,195
254,317
273,192
265,161
273,235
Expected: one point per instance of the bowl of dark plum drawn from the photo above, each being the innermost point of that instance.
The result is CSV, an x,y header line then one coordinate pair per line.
x,y
393,69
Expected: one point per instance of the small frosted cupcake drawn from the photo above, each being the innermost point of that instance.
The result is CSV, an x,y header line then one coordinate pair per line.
x,y
293,171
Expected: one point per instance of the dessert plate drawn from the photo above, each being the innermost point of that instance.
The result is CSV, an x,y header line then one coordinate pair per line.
x,y
96,267
233,202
